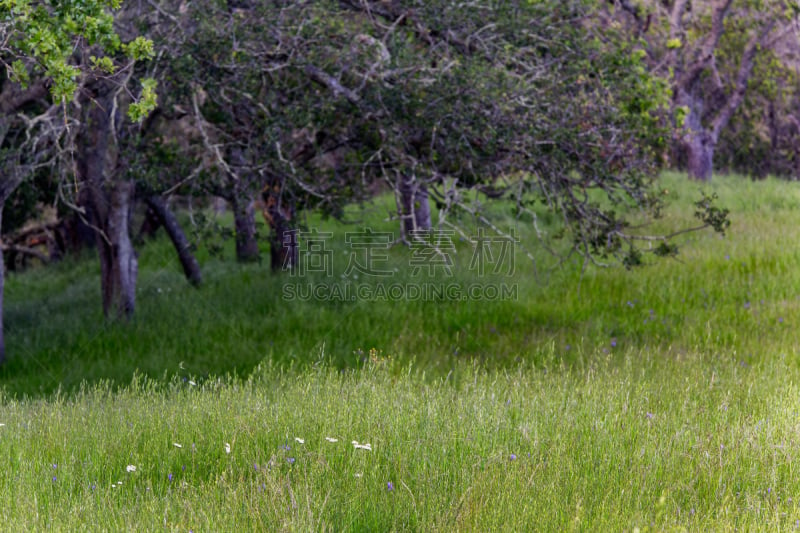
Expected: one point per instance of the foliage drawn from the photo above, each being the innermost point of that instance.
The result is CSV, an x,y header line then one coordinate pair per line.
x,y
326,101
40,38
730,64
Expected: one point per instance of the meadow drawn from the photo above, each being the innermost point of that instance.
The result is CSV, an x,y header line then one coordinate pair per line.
x,y
660,398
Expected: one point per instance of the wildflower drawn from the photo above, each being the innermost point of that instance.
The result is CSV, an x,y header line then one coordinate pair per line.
x,y
613,343
390,486
177,445
54,465
365,446
299,440
291,460
54,479
192,383
227,448
650,415
169,477
513,457
130,468
358,474
1,424
331,439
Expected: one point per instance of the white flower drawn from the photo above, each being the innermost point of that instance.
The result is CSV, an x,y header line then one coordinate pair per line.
x,y
301,441
331,439
192,383
358,474
227,448
1,424
130,468
365,446
177,445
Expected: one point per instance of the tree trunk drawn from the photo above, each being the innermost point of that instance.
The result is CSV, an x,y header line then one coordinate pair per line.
x,y
415,209
283,246
699,155
108,200
244,218
283,249
121,264
167,219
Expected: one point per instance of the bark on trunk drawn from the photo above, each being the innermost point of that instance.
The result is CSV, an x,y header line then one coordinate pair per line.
x,y
108,202
283,249
700,155
283,246
167,219
123,262
244,217
415,209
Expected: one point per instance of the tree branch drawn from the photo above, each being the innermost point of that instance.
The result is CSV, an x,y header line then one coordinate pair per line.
x,y
323,78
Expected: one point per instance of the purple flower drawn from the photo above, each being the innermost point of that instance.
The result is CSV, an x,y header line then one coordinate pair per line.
x,y
513,457
54,479
747,305
54,466
291,460
170,478
613,343
650,415
390,486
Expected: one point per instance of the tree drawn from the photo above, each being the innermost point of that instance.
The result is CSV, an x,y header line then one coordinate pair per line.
x,y
38,86
316,102
708,51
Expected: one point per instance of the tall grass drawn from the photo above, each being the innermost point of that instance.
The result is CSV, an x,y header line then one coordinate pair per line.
x,y
703,443
659,398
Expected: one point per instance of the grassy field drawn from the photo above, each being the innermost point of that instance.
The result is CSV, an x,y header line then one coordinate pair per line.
x,y
600,399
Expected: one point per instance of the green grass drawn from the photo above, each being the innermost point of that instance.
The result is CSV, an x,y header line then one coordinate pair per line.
x,y
663,398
